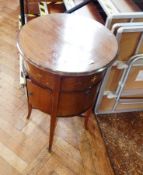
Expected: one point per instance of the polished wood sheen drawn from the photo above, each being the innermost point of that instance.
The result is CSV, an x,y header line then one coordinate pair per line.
x,y
67,44
65,56
23,144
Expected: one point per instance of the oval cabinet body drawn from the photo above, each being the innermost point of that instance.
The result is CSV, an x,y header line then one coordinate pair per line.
x,y
77,93
65,57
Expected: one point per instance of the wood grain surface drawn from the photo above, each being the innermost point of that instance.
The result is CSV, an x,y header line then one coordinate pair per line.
x,y
23,145
67,44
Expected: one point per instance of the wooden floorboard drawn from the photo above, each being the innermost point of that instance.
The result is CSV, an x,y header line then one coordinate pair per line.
x,y
23,144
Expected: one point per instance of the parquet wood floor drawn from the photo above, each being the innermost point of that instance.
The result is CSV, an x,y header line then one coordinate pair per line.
x,y
23,144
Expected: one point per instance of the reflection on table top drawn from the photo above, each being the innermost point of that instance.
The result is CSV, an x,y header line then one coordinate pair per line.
x,y
67,44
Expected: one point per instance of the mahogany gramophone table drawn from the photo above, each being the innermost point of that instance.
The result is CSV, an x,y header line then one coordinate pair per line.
x,y
64,57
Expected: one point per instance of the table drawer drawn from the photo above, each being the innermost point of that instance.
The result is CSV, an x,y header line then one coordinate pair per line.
x,y
80,83
69,83
44,78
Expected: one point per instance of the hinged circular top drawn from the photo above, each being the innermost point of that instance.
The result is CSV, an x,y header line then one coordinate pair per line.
x,y
67,44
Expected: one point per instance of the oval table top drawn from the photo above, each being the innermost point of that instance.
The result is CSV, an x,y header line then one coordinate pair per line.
x,y
67,44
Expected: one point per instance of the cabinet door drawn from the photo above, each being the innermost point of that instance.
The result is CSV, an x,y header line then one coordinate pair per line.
x,y
76,102
39,98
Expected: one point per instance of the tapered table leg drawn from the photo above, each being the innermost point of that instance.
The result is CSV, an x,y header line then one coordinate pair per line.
x,y
29,110
86,117
55,104
52,131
